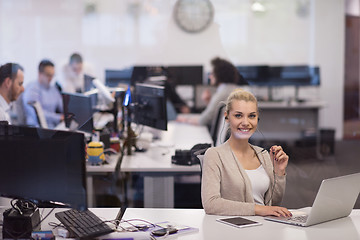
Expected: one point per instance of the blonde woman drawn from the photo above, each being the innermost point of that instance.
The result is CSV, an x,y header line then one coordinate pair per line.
x,y
239,178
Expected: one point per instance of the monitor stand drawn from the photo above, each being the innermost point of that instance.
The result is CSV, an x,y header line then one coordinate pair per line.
x,y
130,140
297,99
270,96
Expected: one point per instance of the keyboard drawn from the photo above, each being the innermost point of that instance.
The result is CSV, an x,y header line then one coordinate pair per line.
x,y
301,219
83,224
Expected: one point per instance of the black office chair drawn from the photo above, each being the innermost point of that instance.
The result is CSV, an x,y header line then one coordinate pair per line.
x,y
219,128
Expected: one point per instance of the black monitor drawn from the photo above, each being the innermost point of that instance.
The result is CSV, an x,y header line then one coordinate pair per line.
x,y
115,77
43,165
255,75
272,76
88,82
185,75
78,112
151,105
141,73
298,76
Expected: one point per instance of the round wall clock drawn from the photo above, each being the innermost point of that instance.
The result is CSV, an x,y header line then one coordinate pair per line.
x,y
193,16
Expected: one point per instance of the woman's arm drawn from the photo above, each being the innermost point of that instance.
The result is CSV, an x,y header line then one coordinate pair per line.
x,y
211,192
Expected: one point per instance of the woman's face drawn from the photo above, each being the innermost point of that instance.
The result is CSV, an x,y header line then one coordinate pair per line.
x,y
212,79
242,118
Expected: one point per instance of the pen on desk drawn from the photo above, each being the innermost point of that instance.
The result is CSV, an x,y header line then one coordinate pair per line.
x,y
119,216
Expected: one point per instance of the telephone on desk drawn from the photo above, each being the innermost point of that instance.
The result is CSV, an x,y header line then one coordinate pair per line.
x,y
189,157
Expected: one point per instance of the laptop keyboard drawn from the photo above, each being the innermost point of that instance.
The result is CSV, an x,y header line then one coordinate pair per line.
x,y
301,219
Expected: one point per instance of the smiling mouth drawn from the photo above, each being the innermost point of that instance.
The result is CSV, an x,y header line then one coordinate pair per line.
x,y
244,130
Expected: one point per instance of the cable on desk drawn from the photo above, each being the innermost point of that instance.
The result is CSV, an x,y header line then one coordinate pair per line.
x,y
28,231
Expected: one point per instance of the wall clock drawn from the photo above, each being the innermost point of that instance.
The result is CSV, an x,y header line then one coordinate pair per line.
x,y
193,16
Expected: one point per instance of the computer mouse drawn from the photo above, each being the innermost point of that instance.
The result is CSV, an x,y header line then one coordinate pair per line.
x,y
163,231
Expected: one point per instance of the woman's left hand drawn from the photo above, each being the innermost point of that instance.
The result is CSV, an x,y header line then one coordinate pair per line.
x,y
279,158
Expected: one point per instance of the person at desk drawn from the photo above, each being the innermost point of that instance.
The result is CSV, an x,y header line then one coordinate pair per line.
x,y
225,76
11,86
178,103
46,94
239,178
73,78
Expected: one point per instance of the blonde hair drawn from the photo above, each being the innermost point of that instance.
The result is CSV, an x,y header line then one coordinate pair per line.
x,y
240,94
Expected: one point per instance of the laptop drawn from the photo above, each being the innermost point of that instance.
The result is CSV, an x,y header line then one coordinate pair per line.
x,y
335,199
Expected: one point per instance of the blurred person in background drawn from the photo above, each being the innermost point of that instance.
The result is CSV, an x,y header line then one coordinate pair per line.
x,y
11,86
45,93
226,78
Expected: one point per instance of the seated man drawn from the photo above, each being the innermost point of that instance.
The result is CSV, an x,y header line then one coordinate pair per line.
x,y
76,75
46,94
11,86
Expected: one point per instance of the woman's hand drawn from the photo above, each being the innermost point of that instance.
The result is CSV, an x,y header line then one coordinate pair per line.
x,y
187,119
206,96
272,211
280,159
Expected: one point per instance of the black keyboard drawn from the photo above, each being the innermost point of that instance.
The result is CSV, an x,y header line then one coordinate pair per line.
x,y
83,224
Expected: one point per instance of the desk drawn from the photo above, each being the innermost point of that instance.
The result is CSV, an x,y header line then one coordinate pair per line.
x,y
92,170
156,164
209,229
287,121
345,228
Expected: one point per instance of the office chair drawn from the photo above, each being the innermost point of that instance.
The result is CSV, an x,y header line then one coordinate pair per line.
x,y
219,128
39,114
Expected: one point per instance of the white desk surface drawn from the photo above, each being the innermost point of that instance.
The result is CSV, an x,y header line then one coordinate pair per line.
x,y
156,164
347,228
158,157
291,105
103,168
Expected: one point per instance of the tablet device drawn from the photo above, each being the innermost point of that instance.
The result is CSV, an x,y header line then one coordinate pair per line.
x,y
238,222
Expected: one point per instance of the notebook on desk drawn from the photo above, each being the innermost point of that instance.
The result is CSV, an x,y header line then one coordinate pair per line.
x,y
335,199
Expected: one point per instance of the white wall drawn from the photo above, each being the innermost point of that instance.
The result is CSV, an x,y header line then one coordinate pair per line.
x,y
122,33
352,7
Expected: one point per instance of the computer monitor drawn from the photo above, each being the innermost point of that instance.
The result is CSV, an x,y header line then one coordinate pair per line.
x,y
141,73
151,105
272,76
88,82
113,78
255,75
43,165
298,76
78,112
185,75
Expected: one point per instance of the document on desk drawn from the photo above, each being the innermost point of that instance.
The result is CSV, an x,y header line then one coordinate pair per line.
x,y
127,236
181,229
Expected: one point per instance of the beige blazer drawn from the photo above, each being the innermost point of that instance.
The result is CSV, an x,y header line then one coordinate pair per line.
x,y
226,188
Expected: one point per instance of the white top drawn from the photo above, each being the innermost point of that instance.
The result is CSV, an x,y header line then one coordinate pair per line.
x,y
70,81
260,182
4,110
